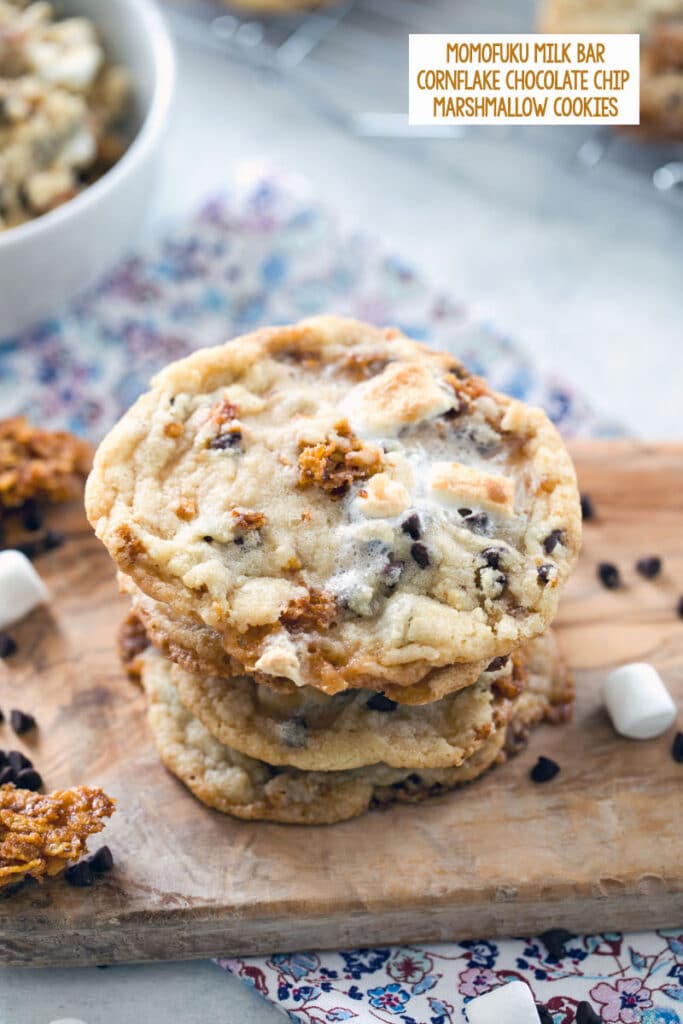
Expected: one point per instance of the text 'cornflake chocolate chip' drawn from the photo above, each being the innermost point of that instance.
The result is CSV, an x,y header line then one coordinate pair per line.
x,y
420,554
585,1014
552,540
677,748
649,567
544,770
608,574
21,721
378,702
8,645
587,507
412,526
555,941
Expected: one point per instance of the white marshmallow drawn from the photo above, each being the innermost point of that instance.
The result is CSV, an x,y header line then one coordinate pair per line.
x,y
638,702
512,1003
21,588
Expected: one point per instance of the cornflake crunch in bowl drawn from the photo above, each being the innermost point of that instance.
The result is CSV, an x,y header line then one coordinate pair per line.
x,y
63,109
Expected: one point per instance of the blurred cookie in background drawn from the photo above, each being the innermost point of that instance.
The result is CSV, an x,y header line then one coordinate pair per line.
x,y
660,26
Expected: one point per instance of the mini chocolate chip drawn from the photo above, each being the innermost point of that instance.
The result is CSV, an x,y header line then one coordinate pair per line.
x,y
478,522
545,573
225,441
18,761
464,512
207,540
101,861
31,516
21,721
544,770
544,1016
420,554
6,775
677,748
649,567
552,540
294,733
555,941
608,574
378,702
679,608
8,645
391,574
53,539
171,400
28,778
79,874
498,663
585,1014
31,548
587,507
492,556
453,413
412,526
239,540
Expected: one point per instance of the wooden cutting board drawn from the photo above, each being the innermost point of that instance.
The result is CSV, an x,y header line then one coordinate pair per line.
x,y
599,848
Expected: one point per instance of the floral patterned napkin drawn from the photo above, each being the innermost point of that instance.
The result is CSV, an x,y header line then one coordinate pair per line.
x,y
262,253
265,252
631,979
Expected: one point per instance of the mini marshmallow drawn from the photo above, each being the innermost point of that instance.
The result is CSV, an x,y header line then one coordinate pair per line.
x,y
512,1003
638,702
21,588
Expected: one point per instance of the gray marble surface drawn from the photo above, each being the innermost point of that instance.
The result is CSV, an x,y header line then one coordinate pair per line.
x,y
584,272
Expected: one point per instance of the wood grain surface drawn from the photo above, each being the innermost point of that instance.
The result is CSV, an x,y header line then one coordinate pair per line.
x,y
599,848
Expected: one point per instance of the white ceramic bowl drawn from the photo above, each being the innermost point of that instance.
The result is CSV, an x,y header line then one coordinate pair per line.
x,y
47,261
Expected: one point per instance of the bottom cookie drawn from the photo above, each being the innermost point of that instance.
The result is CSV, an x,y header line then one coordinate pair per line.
x,y
247,788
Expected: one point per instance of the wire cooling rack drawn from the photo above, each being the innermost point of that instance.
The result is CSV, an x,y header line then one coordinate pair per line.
x,y
350,60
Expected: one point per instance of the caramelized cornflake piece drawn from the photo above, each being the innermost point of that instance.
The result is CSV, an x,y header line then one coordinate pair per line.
x,y
316,611
361,365
244,520
132,640
40,465
335,463
224,412
41,834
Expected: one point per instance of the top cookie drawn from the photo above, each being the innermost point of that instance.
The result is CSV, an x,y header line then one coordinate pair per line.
x,y
340,503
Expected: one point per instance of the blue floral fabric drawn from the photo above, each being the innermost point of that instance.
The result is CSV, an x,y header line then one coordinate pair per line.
x,y
627,979
262,253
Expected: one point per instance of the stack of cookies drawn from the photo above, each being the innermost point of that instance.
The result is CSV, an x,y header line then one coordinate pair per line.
x,y
345,552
